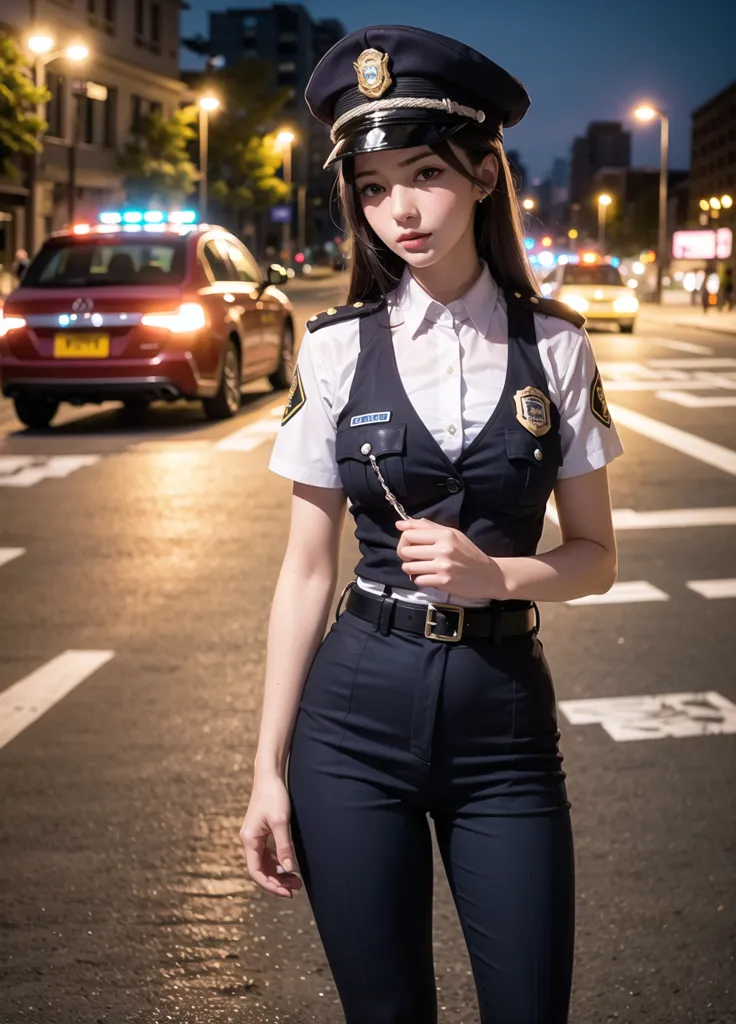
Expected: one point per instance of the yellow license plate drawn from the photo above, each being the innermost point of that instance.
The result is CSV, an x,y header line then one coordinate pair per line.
x,y
81,346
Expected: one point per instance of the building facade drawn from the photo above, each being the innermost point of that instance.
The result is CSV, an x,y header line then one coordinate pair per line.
x,y
134,53
605,144
713,153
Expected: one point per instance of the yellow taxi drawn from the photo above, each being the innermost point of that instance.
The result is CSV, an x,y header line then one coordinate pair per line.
x,y
596,290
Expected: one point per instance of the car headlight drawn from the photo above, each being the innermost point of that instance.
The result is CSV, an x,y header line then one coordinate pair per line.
x,y
626,304
188,317
576,302
10,323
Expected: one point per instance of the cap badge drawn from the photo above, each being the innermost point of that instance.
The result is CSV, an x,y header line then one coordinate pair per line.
x,y
532,410
374,77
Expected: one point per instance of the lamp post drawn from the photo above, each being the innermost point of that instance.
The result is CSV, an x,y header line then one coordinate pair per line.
x,y
285,140
604,201
528,204
207,105
42,48
647,113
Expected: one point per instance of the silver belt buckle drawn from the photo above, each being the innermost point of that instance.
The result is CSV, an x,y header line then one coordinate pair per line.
x,y
430,622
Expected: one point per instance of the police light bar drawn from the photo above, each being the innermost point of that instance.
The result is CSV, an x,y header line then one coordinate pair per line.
x,y
153,218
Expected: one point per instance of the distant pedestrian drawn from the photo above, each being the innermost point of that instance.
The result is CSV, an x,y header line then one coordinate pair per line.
x,y
446,400
21,262
727,293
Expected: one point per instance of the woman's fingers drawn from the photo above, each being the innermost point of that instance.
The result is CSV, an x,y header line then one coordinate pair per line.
x,y
263,866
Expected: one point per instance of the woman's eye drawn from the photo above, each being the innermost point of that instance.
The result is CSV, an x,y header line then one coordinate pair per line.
x,y
429,173
370,190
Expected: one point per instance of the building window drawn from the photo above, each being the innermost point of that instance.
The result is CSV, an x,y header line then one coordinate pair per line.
x,y
148,36
139,25
155,36
101,15
110,119
250,21
55,107
136,114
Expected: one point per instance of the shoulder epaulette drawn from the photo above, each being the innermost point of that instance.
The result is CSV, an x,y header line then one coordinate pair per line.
x,y
547,307
338,314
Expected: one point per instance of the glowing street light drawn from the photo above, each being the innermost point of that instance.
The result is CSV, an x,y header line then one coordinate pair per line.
x,y
77,53
726,202
646,113
604,201
528,204
208,104
285,140
40,44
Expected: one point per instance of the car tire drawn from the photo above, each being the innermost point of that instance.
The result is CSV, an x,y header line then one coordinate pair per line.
x,y
226,402
135,407
35,411
627,328
281,379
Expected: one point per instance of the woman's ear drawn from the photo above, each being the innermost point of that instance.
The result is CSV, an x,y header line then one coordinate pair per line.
x,y
488,173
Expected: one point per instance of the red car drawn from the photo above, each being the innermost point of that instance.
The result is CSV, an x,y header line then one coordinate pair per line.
x,y
144,306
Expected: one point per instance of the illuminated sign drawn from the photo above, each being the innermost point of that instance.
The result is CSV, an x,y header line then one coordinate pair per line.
x,y
702,245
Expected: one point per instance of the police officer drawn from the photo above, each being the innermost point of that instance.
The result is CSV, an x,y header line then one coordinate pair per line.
x,y
446,400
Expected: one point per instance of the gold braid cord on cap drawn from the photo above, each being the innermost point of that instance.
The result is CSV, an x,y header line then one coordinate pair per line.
x,y
448,106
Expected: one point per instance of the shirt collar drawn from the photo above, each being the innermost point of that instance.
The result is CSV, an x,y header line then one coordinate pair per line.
x,y
477,303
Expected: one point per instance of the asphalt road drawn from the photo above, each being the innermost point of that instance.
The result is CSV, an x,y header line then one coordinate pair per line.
x,y
137,563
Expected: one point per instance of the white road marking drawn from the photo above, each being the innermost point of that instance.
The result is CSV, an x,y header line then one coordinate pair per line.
x,y
27,470
680,346
689,401
688,444
8,554
25,701
720,363
655,717
714,589
666,518
250,437
625,592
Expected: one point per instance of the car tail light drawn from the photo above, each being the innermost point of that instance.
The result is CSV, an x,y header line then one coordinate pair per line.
x,y
10,323
188,317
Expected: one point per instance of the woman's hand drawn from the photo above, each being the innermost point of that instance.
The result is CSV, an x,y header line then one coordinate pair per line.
x,y
268,814
443,558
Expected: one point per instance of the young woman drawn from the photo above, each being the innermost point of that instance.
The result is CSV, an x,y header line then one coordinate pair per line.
x,y
446,401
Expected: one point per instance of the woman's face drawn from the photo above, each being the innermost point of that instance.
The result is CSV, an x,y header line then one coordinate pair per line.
x,y
418,205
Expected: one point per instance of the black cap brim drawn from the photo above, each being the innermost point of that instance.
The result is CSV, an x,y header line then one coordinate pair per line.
x,y
377,133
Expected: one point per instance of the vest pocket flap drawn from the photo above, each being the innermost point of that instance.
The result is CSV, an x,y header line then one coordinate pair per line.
x,y
384,439
542,451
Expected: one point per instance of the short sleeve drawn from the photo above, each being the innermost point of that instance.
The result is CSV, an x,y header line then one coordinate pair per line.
x,y
305,444
588,434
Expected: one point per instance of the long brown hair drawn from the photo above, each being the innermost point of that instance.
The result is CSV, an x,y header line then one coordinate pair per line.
x,y
499,231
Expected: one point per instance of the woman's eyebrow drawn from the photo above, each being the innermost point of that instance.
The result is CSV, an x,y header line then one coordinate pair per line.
x,y
403,163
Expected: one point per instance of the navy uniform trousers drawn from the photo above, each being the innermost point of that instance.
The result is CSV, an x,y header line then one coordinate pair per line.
x,y
393,729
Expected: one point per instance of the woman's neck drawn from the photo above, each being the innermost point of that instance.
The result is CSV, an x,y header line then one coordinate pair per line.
x,y
453,276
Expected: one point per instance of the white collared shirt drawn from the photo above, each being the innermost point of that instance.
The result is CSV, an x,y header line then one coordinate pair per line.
x,y
452,361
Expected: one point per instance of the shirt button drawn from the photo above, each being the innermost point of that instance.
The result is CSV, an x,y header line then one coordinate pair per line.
x,y
538,454
450,369
452,485
452,428
366,448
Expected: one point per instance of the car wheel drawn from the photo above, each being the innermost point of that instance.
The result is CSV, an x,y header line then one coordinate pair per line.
x,y
135,406
36,411
226,403
285,371
627,328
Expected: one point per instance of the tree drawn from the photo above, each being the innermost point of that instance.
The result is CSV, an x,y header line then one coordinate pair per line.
x,y
244,157
20,126
156,160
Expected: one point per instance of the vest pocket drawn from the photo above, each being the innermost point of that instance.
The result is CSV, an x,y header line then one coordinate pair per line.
x,y
353,449
532,466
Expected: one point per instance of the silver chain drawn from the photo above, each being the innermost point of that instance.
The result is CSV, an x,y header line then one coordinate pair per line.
x,y
393,500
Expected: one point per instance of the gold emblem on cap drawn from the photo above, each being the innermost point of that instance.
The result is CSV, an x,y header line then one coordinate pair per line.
x,y
373,74
532,411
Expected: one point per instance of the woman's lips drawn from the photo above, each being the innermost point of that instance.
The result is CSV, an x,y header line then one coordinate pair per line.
x,y
414,241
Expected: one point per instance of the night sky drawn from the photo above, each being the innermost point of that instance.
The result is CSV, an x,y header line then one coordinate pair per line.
x,y
579,61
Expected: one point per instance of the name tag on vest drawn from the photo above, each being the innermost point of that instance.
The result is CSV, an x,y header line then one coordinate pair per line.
x,y
370,417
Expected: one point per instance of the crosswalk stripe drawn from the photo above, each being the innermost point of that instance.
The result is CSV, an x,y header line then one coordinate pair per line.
x,y
27,470
25,701
681,346
714,589
688,401
665,518
626,592
249,437
688,444
8,554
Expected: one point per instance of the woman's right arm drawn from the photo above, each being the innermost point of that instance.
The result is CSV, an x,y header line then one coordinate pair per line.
x,y
301,603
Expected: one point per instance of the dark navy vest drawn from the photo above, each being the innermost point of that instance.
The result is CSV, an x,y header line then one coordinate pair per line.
x,y
495,492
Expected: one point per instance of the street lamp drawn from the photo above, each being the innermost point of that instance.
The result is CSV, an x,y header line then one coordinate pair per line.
x,y
285,139
604,201
528,204
207,105
41,46
646,113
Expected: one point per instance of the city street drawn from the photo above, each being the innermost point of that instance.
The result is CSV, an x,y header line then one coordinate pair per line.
x,y
137,563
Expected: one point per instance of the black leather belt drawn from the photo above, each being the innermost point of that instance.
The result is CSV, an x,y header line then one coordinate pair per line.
x,y
447,622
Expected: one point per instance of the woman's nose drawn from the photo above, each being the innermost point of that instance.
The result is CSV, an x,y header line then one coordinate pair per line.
x,y
402,204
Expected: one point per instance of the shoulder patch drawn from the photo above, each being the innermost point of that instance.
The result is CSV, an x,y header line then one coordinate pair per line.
x,y
296,399
338,314
547,307
598,403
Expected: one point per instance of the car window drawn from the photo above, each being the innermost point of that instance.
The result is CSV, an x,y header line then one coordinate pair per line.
x,y
90,263
217,262
241,261
603,274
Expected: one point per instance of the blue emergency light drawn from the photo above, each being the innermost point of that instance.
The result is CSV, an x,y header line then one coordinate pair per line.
x,y
148,217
